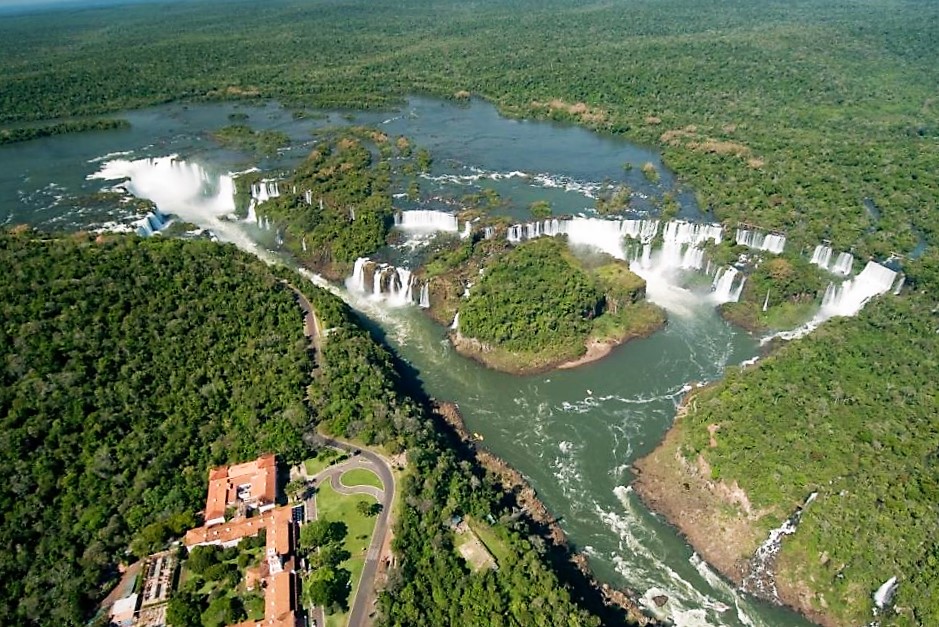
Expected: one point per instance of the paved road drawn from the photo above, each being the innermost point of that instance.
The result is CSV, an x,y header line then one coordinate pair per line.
x,y
365,596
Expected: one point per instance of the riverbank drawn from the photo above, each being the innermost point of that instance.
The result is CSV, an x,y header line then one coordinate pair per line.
x,y
716,518
515,485
612,330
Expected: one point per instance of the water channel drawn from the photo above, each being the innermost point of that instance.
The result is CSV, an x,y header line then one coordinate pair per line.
x,y
573,433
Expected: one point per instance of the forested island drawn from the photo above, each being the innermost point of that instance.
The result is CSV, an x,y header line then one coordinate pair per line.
x,y
538,307
813,119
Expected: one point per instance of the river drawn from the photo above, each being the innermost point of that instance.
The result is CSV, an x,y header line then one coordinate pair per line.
x,y
573,433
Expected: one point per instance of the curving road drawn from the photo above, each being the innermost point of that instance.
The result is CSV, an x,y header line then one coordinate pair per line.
x,y
367,592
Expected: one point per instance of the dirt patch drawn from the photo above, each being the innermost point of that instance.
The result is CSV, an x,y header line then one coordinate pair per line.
x,y
653,120
579,110
474,551
717,519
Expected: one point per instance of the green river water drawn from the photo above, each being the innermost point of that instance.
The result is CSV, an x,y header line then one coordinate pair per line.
x,y
572,433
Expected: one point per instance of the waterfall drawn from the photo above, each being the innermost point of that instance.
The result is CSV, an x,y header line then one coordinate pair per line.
x,y
821,257
766,301
754,239
426,221
489,232
761,580
388,283
425,295
252,216
885,593
303,244
358,274
843,264
848,298
609,235
308,197
176,187
455,325
466,230
151,223
265,190
726,287
279,238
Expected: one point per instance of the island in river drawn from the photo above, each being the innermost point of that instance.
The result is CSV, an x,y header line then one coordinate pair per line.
x,y
537,306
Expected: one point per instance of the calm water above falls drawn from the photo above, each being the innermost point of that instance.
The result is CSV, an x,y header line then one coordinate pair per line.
x,y
573,433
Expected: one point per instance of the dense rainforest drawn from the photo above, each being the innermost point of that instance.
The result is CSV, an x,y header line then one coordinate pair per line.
x,y
129,367
816,118
849,412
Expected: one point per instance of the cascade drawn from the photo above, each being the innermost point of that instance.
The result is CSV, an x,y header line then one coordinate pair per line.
x,y
766,301
303,244
848,298
279,238
761,579
642,230
425,295
466,230
455,325
754,239
265,190
885,593
821,257
395,285
725,291
901,281
489,232
308,196
843,264
252,216
426,220
351,211
358,274
175,186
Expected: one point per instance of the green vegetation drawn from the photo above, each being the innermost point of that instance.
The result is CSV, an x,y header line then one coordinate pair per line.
x,y
540,209
212,590
26,133
185,354
360,476
800,111
350,212
534,298
788,286
537,306
242,137
432,584
325,457
849,412
331,505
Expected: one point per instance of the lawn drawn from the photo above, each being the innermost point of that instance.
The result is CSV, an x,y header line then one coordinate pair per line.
x,y
360,476
331,505
323,460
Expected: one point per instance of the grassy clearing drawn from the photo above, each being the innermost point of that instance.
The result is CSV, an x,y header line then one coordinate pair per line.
x,y
323,460
361,476
331,505
490,537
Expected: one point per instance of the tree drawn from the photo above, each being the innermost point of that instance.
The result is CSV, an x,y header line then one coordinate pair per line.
x,y
329,587
184,610
322,532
